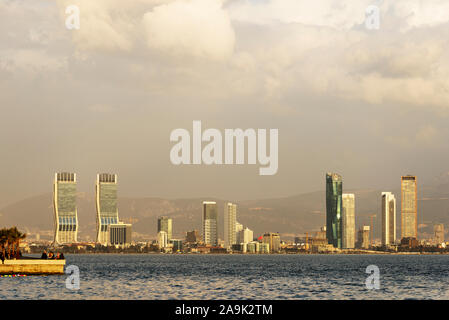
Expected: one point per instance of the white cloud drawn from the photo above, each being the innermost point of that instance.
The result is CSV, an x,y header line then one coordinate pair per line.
x,y
190,27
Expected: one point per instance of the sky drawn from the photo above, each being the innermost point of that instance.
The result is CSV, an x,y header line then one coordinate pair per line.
x,y
371,105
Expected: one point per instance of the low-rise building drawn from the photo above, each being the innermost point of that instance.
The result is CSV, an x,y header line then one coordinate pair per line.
x,y
119,234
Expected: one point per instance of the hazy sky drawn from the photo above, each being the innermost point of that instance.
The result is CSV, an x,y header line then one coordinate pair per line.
x,y
371,105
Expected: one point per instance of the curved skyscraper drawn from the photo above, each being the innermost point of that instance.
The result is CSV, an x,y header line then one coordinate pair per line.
x,y
64,204
106,203
334,209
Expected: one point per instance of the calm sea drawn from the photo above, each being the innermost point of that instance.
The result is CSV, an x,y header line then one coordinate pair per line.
x,y
240,277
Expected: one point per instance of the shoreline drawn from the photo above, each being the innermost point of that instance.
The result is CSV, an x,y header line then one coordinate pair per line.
x,y
253,254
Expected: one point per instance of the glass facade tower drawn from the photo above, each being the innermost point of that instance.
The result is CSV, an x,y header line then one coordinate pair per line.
x,y
106,203
210,236
64,205
334,209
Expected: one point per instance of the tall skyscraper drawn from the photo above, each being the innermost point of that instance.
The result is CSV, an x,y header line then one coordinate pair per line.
x,y
348,221
230,215
210,236
64,204
409,207
388,218
165,224
106,203
334,208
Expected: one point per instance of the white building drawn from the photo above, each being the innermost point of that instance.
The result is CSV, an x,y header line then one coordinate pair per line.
x,y
162,239
388,218
245,236
230,216
348,221
238,228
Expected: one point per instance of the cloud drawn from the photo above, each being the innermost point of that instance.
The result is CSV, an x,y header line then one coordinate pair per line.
x,y
200,28
406,62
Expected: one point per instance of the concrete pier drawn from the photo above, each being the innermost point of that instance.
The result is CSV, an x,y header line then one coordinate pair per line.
x,y
32,266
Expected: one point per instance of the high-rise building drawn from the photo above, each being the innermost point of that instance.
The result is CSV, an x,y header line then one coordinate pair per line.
x,y
106,204
409,207
388,218
210,236
165,224
438,231
245,236
238,228
64,204
119,234
348,221
162,239
363,241
274,240
334,208
230,216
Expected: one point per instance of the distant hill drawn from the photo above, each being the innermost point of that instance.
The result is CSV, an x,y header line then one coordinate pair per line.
x,y
290,216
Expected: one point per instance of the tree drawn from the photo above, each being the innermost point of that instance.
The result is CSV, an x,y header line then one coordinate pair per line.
x,y
10,241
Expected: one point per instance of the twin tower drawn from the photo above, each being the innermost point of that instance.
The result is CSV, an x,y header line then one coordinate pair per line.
x,y
65,209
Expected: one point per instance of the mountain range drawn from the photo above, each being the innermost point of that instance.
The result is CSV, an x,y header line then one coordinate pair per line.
x,y
291,216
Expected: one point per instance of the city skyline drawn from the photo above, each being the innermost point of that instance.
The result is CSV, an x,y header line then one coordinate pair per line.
x,y
112,180
213,157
